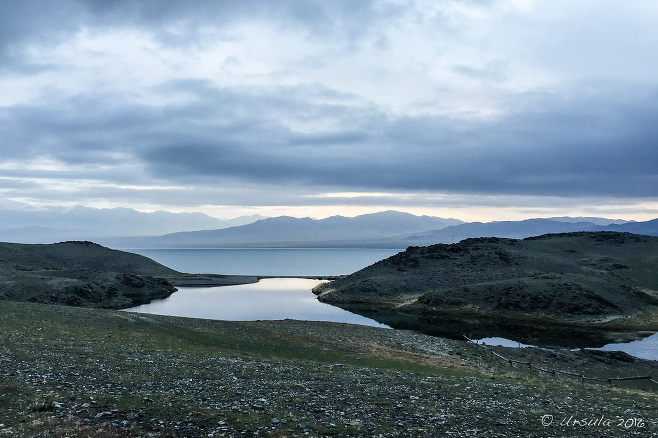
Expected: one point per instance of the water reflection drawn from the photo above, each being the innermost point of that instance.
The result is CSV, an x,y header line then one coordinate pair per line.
x,y
646,348
529,333
502,342
281,298
269,299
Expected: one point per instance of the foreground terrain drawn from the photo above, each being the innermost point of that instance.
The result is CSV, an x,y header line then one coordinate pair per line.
x,y
80,372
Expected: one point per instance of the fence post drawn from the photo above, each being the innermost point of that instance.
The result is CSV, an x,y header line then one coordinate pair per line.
x,y
554,372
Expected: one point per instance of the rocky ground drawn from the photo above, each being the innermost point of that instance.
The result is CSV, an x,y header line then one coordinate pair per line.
x,y
85,274
601,279
90,372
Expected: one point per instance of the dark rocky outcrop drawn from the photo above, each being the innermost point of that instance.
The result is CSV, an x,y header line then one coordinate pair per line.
x,y
588,278
81,274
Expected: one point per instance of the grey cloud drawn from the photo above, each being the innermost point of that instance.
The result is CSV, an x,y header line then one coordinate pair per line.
x,y
21,22
329,139
586,145
175,22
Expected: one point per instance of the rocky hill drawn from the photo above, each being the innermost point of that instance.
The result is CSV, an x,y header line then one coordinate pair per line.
x,y
80,274
586,278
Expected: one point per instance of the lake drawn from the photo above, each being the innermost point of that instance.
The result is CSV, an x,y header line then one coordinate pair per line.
x,y
269,299
311,262
646,348
280,298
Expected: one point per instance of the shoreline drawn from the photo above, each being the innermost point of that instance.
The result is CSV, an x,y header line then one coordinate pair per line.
x,y
574,335
211,280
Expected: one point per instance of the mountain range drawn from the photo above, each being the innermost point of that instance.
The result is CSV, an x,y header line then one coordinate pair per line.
x,y
525,228
337,231
389,229
126,228
55,224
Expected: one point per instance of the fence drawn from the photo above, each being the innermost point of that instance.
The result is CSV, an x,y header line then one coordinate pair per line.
x,y
555,372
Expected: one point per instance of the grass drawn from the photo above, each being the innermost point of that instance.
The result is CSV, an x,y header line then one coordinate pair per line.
x,y
87,372
55,327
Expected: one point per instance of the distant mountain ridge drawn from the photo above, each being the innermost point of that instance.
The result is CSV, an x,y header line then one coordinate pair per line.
x,y
510,229
52,225
594,220
388,229
649,228
285,231
525,228
126,228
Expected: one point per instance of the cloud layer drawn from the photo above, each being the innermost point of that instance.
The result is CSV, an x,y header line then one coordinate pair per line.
x,y
188,104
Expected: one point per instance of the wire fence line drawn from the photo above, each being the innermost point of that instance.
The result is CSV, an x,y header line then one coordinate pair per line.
x,y
555,372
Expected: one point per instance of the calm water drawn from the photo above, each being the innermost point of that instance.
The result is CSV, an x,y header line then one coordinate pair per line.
x,y
646,348
269,299
268,261
292,298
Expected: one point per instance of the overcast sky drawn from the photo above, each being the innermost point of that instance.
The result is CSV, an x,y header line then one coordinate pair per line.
x,y
474,109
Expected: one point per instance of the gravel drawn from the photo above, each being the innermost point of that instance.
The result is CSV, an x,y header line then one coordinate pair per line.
x,y
83,372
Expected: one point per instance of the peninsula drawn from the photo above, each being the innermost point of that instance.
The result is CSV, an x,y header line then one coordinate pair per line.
x,y
604,280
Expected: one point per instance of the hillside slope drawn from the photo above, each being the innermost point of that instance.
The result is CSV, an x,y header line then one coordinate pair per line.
x,y
593,279
80,274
